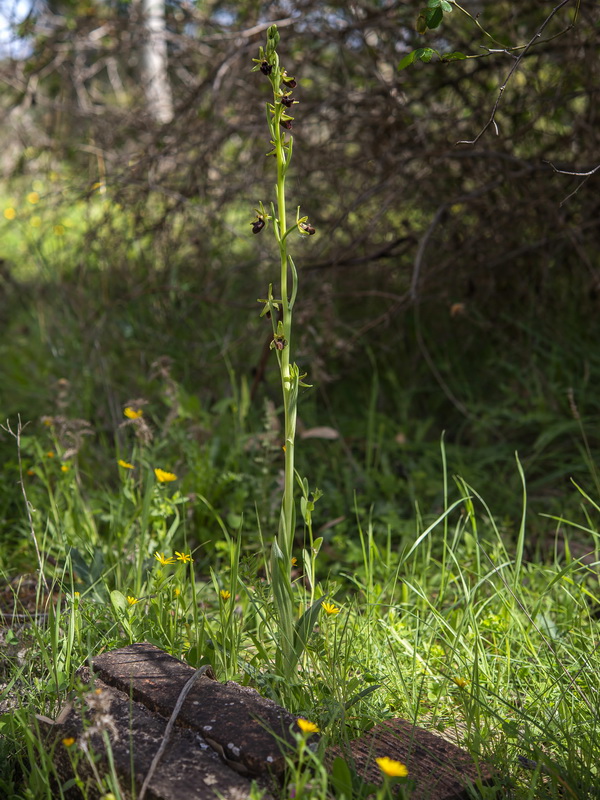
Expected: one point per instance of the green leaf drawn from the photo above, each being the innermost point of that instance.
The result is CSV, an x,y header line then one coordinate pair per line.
x,y
443,5
5,721
369,690
407,60
455,56
305,625
10,637
510,728
341,778
118,600
421,23
306,508
433,17
425,54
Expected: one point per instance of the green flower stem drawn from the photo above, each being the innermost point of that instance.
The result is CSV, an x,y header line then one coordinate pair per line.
x,y
281,565
292,632
285,366
282,569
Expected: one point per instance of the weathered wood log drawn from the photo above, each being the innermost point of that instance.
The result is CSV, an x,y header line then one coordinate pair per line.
x,y
440,769
224,734
249,731
188,769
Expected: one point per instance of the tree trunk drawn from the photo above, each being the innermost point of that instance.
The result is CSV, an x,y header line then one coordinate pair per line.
x,y
156,81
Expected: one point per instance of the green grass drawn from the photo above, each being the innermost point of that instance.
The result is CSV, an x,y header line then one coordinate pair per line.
x,y
466,604
466,579
495,596
443,620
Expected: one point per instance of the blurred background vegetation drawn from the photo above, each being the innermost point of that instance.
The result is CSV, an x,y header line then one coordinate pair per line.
x,y
451,287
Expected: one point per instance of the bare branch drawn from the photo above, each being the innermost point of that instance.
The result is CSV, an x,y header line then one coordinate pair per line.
x,y
578,174
584,175
492,120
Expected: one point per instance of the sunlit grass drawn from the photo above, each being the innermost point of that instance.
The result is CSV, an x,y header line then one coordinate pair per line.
x,y
452,629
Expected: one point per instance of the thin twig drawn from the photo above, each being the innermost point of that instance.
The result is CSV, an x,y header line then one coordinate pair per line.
x,y
585,175
169,729
577,174
518,59
17,436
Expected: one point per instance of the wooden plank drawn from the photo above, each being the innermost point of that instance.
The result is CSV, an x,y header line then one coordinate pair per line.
x,y
226,731
248,730
188,769
440,769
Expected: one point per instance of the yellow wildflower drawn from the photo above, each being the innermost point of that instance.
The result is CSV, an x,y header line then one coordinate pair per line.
x,y
50,454
164,477
64,467
462,682
59,230
163,559
10,213
225,595
132,413
330,609
132,600
33,198
294,561
68,741
185,557
306,726
125,464
391,768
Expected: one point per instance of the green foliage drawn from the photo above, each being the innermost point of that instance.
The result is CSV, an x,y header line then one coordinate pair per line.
x,y
451,624
293,634
431,17
445,292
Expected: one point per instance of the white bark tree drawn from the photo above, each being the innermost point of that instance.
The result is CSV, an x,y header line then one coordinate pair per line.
x,y
156,80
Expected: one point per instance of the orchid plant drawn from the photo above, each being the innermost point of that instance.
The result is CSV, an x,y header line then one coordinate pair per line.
x,y
293,631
